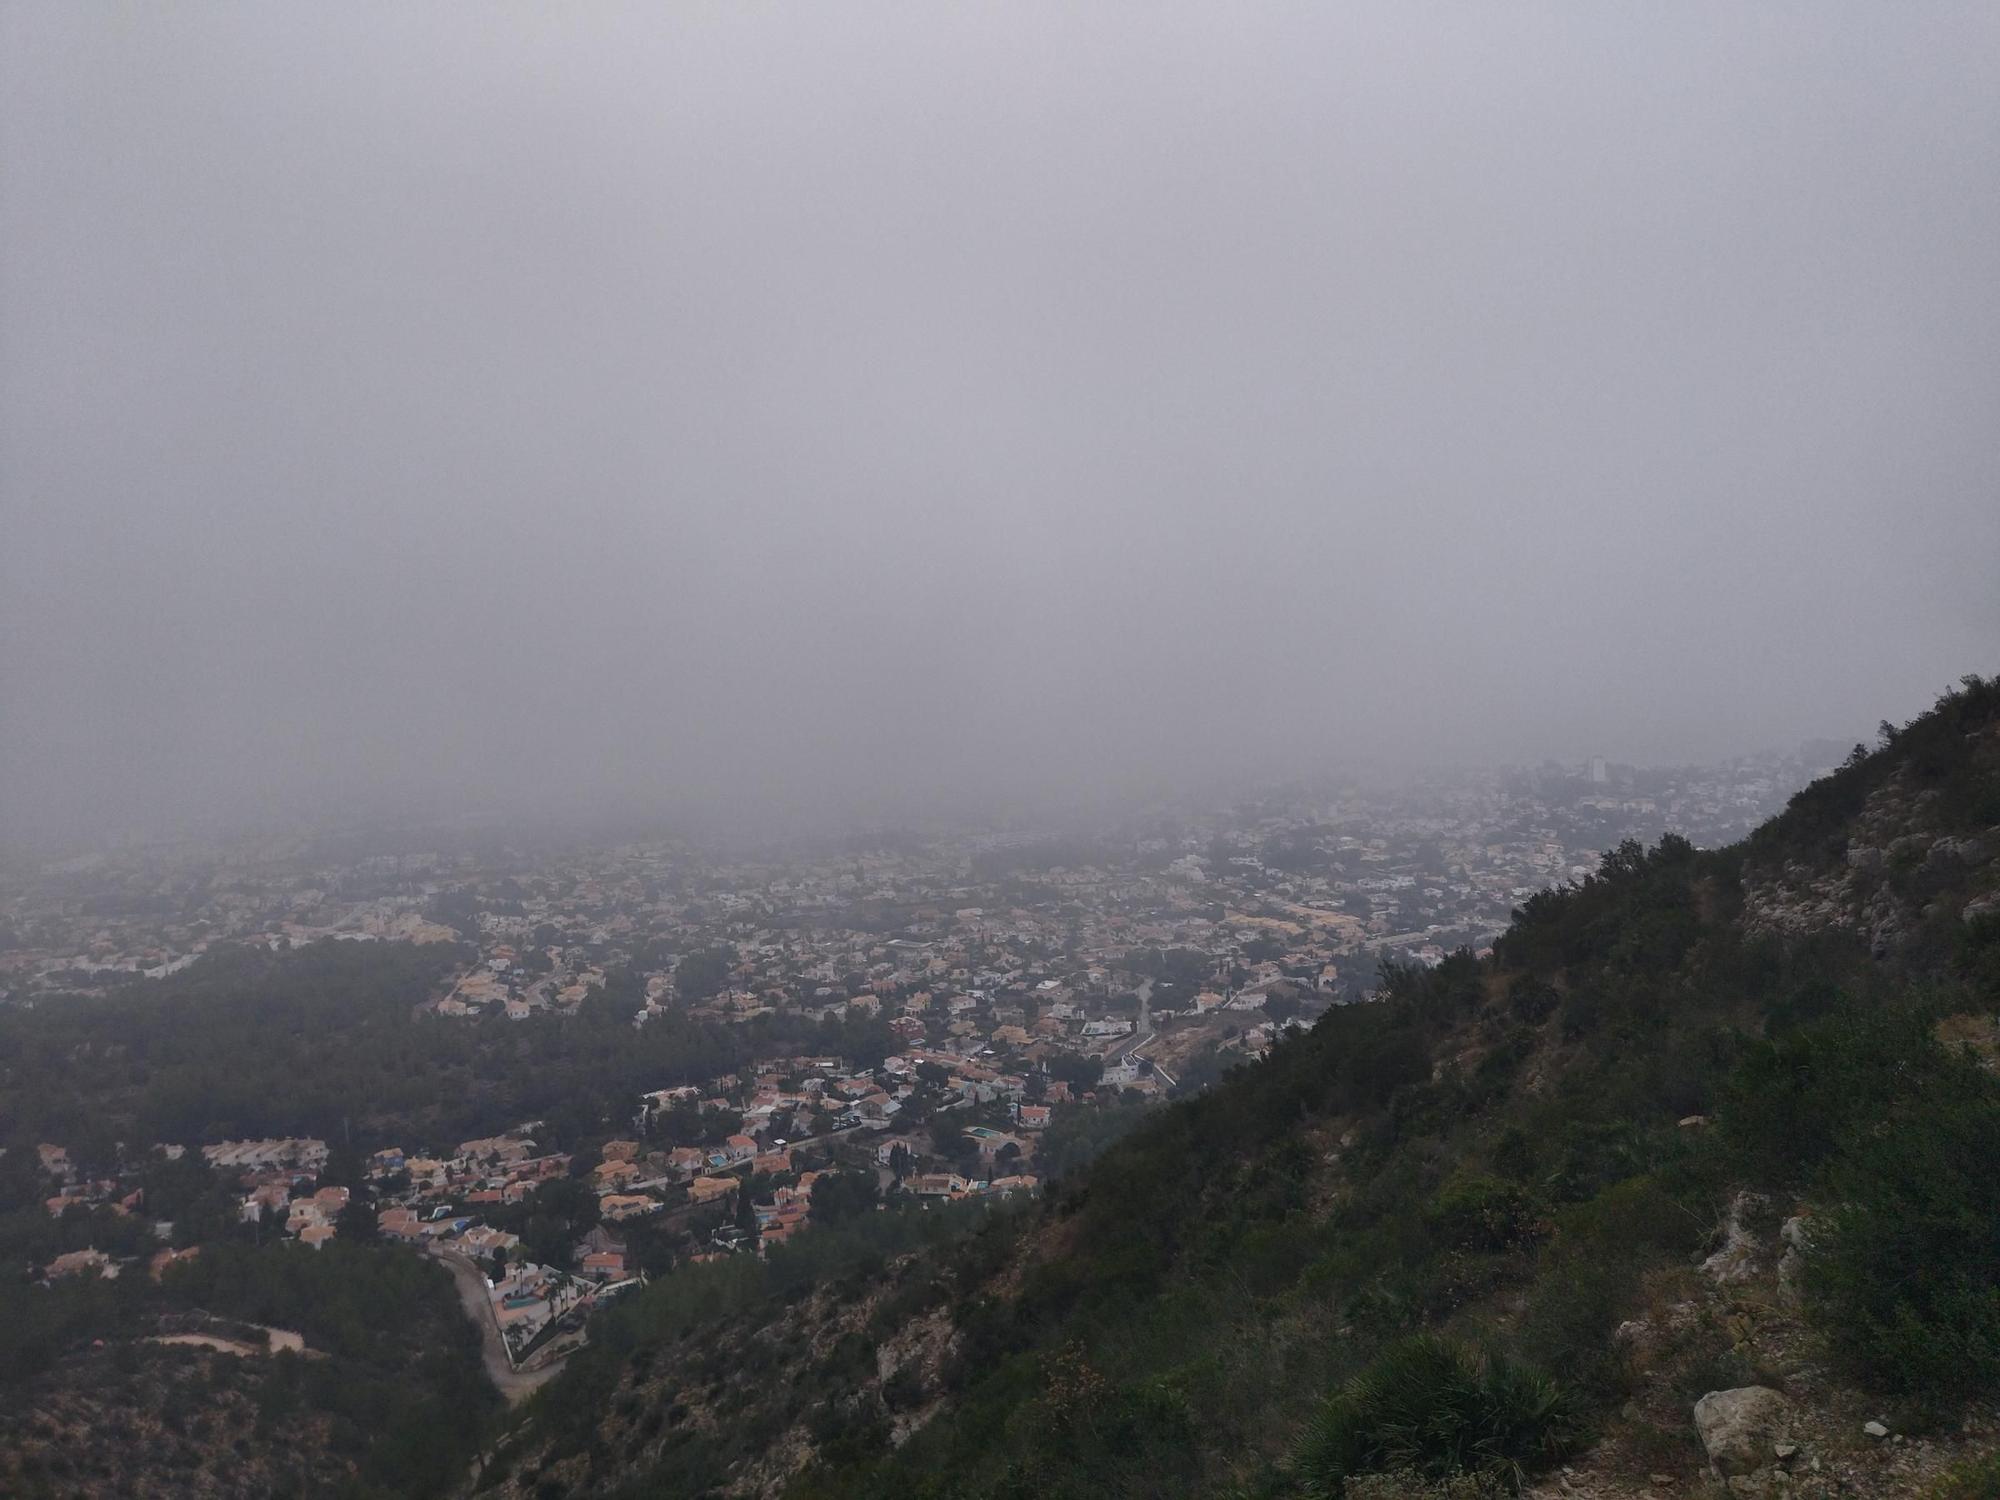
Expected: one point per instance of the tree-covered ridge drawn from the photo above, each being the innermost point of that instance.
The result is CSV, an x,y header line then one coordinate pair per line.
x,y
388,1399
327,1041
1514,1158
1949,753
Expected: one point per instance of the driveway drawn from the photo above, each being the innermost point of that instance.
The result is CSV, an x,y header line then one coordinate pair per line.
x,y
515,1385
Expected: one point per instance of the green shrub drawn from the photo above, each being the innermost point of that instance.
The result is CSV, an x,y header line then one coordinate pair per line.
x,y
1591,1155
1475,1212
1270,1257
1437,1409
904,1390
1533,1000
1584,1010
1514,1154
1576,1304
1904,1272
1978,956
1634,1216
1793,1101
1975,1479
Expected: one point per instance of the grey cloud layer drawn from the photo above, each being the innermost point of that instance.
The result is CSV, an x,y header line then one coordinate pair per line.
x,y
867,406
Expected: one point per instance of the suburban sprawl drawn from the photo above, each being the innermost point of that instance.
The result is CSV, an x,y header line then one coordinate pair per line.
x,y
926,1017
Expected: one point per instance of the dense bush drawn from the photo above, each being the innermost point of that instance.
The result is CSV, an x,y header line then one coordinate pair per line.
x,y
1638,909
1437,1409
1472,1212
1975,1479
1978,955
1905,1266
1654,1213
1793,1100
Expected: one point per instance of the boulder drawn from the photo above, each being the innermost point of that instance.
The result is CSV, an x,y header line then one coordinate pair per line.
x,y
1740,1429
1861,857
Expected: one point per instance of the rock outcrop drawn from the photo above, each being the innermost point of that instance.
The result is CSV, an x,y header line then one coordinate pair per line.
x,y
1795,1236
1741,1429
1737,1261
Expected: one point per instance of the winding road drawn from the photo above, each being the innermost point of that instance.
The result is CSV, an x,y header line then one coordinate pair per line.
x,y
515,1385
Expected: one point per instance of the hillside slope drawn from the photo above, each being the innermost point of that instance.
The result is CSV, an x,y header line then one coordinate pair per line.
x,y
1675,1193
378,1392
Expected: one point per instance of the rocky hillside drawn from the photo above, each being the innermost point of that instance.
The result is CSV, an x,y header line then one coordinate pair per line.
x,y
1688,1189
1896,847
253,1371
191,1420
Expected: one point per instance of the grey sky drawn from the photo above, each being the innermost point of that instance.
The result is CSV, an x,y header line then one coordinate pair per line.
x,y
875,405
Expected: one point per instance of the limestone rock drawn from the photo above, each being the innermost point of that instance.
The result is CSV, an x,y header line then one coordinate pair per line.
x,y
1792,1263
1740,1428
1959,851
1633,1333
1736,1261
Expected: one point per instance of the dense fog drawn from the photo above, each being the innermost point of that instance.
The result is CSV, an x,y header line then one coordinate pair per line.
x,y
864,410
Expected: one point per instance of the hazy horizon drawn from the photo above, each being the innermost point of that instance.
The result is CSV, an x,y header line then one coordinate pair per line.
x,y
422,818
872,410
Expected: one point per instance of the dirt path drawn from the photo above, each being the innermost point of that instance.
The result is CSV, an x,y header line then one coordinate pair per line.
x,y
277,1341
515,1385
210,1341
